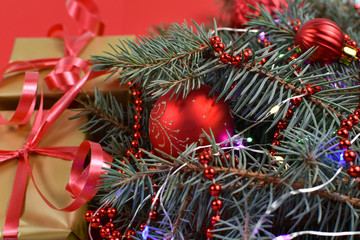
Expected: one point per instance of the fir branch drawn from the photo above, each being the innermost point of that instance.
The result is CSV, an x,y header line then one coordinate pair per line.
x,y
181,214
277,181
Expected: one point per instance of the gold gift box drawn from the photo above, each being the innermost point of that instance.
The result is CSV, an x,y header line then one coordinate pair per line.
x,y
26,49
38,221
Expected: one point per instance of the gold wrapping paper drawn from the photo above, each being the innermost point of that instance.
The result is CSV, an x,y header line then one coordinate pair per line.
x,y
40,48
38,221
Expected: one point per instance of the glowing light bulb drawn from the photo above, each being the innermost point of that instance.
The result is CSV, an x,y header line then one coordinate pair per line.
x,y
275,109
249,139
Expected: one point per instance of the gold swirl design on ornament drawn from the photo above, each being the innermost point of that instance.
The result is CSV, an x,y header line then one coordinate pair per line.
x,y
157,112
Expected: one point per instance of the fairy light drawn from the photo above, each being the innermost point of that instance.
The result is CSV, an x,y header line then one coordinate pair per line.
x,y
234,30
249,139
317,233
274,109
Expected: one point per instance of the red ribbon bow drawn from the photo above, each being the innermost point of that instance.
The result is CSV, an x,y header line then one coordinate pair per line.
x,y
66,76
81,184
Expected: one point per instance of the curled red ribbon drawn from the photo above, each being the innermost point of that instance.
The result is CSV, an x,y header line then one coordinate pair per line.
x,y
66,76
82,182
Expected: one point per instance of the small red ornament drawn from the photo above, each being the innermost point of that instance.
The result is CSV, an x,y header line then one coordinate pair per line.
x,y
296,101
209,234
282,124
105,232
155,200
349,156
277,135
219,46
136,135
357,112
325,35
354,171
344,143
209,173
347,124
110,225
205,157
153,215
142,227
95,222
134,143
111,212
354,119
289,114
116,233
235,60
342,132
215,189
275,142
174,123
225,58
89,215
272,152
101,212
129,234
214,219
216,205
214,40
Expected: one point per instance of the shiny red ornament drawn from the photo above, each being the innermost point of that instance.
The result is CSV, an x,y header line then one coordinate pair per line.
x,y
101,212
89,215
241,10
209,234
105,232
129,234
134,143
209,173
325,35
215,189
174,124
225,58
235,60
354,171
354,119
153,215
95,222
205,157
347,124
142,227
214,219
357,112
275,142
349,156
277,135
289,114
155,200
216,205
272,152
111,212
344,143
136,135
219,46
137,117
342,132
282,124
110,225
139,109
214,40
296,101
116,233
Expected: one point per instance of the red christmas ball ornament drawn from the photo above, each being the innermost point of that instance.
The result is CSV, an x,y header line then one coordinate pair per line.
x,y
323,34
215,189
174,124
89,215
241,10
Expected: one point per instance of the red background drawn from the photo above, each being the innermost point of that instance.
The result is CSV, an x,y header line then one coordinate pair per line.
x,y
33,18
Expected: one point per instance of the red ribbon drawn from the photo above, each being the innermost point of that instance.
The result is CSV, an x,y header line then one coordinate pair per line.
x,y
66,76
68,69
82,182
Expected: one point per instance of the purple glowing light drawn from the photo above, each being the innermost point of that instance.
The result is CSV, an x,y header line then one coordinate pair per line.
x,y
283,237
262,36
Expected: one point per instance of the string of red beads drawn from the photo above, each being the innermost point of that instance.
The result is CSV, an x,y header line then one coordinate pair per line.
x,y
283,124
215,189
102,219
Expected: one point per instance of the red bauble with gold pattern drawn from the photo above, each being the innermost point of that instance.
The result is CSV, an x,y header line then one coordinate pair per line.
x,y
175,124
323,34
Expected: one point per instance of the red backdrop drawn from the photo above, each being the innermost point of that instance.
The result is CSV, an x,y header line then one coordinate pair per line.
x,y
33,18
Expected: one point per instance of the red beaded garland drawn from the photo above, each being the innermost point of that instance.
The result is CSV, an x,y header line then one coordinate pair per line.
x,y
214,219
129,234
116,233
111,212
354,119
153,215
209,234
142,227
275,142
347,124
235,60
225,58
282,124
205,157
296,101
219,46
289,113
214,40
95,222
105,232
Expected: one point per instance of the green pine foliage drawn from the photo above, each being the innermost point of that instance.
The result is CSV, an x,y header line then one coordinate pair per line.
x,y
251,179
